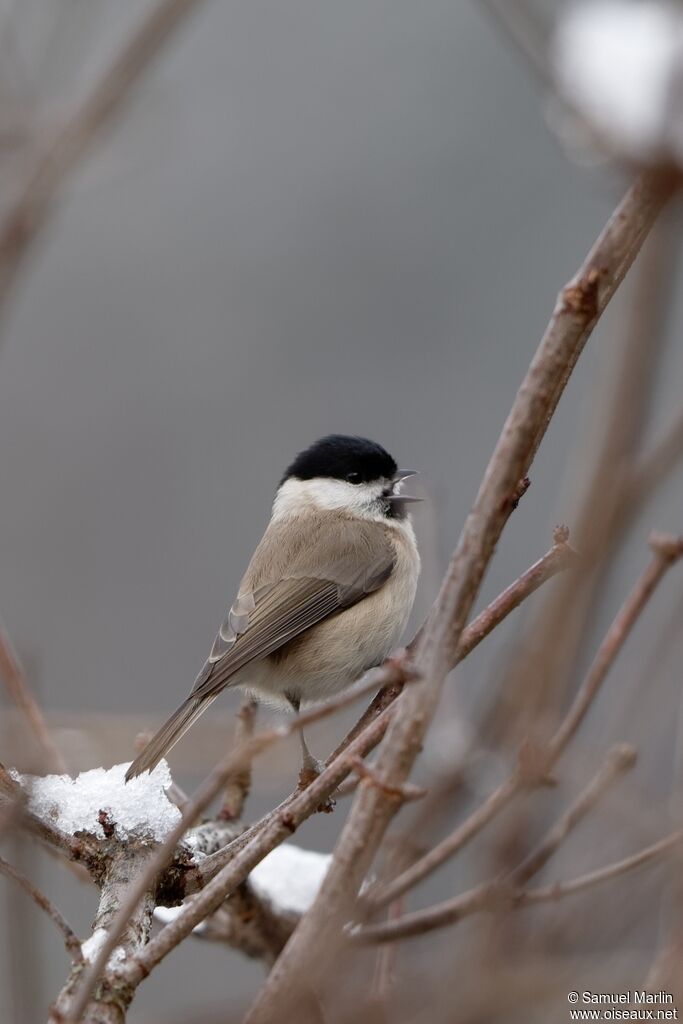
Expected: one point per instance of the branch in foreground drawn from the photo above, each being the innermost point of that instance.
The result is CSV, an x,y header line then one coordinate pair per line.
x,y
605,506
221,873
237,786
558,559
535,765
129,860
293,810
490,898
578,309
71,940
497,893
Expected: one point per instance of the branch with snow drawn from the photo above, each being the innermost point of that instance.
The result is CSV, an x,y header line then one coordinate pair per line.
x,y
124,825
619,65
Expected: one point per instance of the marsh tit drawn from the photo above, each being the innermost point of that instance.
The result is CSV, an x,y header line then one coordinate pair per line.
x,y
327,593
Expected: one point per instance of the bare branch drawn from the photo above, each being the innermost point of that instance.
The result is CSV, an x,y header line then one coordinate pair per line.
x,y
579,306
506,891
560,557
127,864
251,847
536,682
71,940
32,209
238,785
19,690
619,761
666,551
659,849
534,767
220,873
658,462
491,897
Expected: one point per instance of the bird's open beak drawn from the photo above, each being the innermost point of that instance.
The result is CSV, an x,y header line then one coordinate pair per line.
x,y
400,500
403,474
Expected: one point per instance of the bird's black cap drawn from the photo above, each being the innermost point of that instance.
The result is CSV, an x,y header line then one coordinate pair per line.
x,y
341,457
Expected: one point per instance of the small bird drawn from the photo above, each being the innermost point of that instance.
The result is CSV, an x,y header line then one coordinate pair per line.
x,y
327,593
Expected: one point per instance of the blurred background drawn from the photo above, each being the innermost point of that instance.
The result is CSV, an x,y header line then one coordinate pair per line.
x,y
310,218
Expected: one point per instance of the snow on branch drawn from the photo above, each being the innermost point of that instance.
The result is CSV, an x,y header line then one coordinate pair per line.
x,y
101,803
619,65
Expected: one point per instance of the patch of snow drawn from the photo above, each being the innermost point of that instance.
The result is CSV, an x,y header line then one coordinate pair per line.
x,y
289,877
615,63
167,914
192,842
91,947
138,808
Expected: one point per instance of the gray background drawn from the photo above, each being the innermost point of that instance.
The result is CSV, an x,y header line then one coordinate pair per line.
x,y
315,217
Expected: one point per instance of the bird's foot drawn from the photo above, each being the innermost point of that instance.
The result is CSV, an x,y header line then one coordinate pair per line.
x,y
310,770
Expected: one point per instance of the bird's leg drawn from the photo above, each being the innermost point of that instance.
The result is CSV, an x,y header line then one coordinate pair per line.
x,y
310,766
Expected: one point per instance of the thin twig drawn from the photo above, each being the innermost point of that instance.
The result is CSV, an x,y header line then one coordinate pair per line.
x,y
559,558
19,690
546,893
620,760
665,552
31,211
492,896
524,29
71,940
238,785
658,462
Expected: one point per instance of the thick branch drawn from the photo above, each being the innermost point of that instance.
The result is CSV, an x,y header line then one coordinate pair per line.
x,y
579,306
111,999
76,848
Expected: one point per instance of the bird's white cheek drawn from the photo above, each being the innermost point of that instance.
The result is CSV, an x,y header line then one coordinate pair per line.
x,y
322,493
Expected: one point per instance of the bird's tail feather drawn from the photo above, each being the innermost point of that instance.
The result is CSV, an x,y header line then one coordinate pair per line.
x,y
169,734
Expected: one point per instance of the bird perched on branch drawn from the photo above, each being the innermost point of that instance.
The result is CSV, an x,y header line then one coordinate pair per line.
x,y
327,593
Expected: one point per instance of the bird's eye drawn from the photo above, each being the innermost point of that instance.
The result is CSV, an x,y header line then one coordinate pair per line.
x,y
353,478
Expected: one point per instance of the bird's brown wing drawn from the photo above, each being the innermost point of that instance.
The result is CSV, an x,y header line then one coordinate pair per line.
x,y
267,618
287,588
